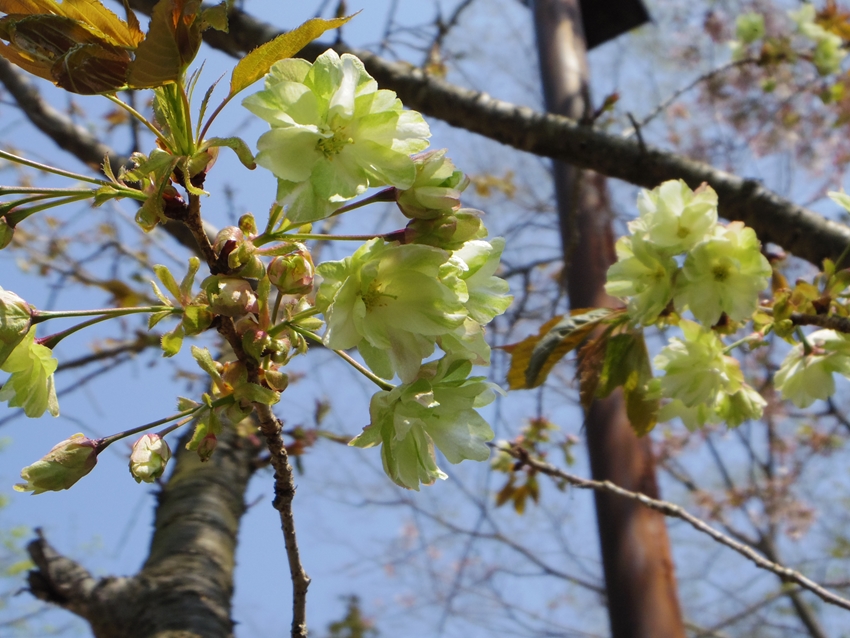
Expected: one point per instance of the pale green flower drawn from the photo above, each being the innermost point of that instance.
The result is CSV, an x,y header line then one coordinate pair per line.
x,y
467,341
643,276
334,134
30,385
436,408
744,405
725,273
802,378
749,27
674,217
829,51
696,369
65,464
488,294
391,302
693,417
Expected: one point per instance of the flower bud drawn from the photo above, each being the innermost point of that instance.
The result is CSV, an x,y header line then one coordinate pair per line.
x,y
206,447
292,274
248,225
449,232
149,458
237,253
64,465
6,233
230,296
15,322
436,189
276,379
255,342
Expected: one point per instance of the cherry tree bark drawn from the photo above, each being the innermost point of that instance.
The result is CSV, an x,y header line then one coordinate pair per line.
x,y
639,578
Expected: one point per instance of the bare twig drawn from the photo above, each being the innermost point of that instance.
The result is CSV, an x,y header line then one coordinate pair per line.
x,y
636,126
284,489
672,510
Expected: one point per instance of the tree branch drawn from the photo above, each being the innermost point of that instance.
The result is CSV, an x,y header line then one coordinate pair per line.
x,y
670,509
775,219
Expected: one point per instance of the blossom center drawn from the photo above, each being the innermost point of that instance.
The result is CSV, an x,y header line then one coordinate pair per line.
x,y
333,145
374,296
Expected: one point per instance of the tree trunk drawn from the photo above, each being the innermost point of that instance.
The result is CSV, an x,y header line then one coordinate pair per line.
x,y
639,578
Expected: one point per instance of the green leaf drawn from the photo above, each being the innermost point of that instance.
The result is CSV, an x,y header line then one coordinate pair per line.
x,y
30,385
242,150
189,279
172,341
159,294
167,279
205,360
533,358
258,62
184,404
627,366
156,317
196,319
256,394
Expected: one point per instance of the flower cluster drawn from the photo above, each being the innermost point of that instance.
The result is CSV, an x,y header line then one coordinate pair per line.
x,y
806,372
829,51
723,269
705,385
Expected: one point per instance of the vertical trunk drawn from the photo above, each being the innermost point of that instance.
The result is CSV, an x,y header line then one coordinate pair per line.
x,y
639,579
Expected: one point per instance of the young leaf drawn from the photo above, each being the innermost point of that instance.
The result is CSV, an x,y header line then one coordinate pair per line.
x,y
167,279
215,17
258,62
189,279
172,341
627,365
243,152
156,317
533,358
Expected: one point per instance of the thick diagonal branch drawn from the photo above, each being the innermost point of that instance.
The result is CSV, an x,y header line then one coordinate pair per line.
x,y
775,219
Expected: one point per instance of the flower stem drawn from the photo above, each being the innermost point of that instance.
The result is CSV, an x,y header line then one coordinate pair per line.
x,y
386,195
108,440
384,385
15,217
43,315
139,117
51,341
17,159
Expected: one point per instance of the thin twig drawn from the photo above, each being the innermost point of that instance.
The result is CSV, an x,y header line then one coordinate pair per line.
x,y
672,510
284,489
636,126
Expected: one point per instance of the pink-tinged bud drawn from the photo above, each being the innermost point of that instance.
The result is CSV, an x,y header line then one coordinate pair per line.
x,y
15,322
206,447
236,253
64,465
255,342
149,458
293,274
230,296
